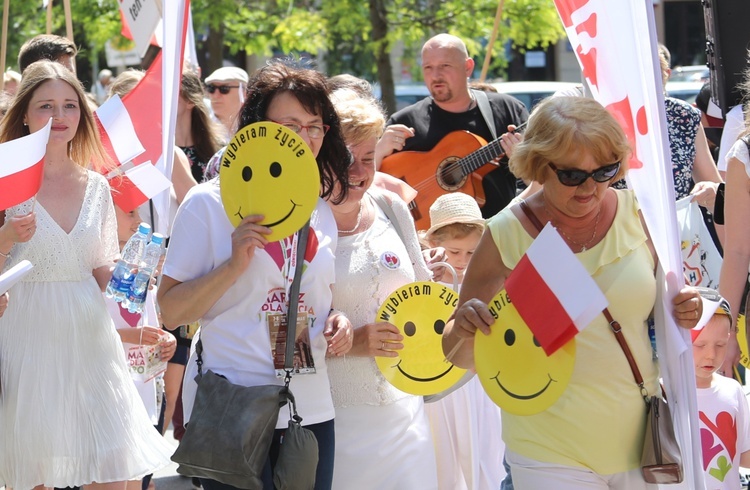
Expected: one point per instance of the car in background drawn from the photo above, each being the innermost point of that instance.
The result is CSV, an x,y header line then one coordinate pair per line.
x,y
531,93
684,90
406,94
694,73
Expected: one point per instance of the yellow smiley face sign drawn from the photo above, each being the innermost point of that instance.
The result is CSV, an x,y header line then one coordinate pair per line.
x,y
268,169
514,370
420,311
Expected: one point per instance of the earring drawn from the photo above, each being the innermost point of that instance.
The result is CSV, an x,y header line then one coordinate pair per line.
x,y
25,124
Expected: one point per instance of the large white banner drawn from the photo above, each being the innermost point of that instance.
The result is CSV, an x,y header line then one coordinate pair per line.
x,y
615,42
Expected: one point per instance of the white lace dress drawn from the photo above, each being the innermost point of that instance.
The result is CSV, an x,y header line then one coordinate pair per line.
x,y
382,436
69,413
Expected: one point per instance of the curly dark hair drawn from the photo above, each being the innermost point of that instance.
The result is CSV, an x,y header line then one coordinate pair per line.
x,y
311,90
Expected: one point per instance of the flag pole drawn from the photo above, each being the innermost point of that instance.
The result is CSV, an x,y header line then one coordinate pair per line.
x,y
4,43
68,20
49,17
488,56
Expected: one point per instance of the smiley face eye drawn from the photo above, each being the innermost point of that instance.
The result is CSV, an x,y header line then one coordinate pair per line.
x,y
410,329
510,337
536,342
247,174
439,327
275,169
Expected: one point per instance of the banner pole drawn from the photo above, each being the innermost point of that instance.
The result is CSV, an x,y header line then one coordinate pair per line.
x,y
4,43
68,20
49,17
488,56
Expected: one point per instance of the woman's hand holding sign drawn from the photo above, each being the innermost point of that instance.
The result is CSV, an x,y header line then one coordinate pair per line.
x,y
248,236
377,339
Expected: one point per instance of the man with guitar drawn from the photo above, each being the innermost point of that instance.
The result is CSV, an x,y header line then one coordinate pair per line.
x,y
429,126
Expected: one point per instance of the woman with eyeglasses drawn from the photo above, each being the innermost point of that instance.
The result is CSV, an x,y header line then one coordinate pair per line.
x,y
592,436
233,279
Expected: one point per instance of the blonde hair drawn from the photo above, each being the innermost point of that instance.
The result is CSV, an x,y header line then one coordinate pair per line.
x,y
566,126
125,81
361,118
85,148
453,231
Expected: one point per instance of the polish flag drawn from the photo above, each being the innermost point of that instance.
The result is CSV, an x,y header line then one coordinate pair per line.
x,y
553,292
117,132
136,185
23,167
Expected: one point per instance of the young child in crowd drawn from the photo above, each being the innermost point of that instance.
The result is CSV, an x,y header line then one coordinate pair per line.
x,y
133,332
724,416
465,424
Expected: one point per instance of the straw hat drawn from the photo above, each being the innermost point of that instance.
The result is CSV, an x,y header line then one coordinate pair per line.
x,y
455,207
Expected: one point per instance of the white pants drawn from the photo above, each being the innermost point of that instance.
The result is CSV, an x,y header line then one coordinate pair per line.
x,y
529,474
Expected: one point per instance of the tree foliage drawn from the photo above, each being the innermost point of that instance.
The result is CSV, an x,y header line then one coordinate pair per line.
x,y
341,31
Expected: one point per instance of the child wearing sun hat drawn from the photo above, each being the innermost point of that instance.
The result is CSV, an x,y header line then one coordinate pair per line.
x,y
723,413
456,225
465,424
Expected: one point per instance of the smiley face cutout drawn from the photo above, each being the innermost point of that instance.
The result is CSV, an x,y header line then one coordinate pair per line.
x,y
420,311
513,368
268,169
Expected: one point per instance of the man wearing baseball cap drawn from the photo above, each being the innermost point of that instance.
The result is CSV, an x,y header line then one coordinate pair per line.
x,y
226,90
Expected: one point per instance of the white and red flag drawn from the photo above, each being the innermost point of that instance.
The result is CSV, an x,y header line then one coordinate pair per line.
x,y
22,167
117,131
616,46
131,185
552,291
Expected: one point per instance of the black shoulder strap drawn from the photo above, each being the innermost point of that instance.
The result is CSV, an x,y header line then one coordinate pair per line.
x,y
484,107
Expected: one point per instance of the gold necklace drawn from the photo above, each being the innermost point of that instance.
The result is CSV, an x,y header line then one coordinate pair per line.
x,y
356,225
583,246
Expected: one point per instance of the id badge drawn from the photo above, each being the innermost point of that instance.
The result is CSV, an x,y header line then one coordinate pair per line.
x,y
303,359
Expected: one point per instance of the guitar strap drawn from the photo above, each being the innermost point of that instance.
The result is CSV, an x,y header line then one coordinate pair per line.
x,y
484,107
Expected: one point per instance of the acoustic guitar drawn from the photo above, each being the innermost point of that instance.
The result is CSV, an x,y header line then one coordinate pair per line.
x,y
458,162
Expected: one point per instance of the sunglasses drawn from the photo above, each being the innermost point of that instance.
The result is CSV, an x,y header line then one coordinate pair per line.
x,y
573,177
223,89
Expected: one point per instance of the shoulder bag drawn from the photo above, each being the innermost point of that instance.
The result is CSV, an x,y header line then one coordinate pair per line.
x,y
661,460
231,427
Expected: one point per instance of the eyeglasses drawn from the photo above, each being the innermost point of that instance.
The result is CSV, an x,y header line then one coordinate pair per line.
x,y
314,131
223,89
573,177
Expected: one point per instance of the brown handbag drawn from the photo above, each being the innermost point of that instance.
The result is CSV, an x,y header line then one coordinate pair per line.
x,y
661,459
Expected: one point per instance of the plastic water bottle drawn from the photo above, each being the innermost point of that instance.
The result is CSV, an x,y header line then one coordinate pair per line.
x,y
127,266
137,295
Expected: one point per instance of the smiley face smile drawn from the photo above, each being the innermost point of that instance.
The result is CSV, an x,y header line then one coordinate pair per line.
x,y
421,380
522,397
271,225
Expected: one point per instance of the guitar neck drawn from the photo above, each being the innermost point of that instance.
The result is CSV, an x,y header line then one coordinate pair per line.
x,y
478,158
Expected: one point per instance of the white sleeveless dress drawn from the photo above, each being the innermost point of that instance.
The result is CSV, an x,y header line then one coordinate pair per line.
x,y
69,413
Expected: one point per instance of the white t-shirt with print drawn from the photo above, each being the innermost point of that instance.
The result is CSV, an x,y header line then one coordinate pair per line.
x,y
724,421
234,333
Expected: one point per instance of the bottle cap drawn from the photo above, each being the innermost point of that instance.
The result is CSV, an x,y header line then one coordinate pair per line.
x,y
144,228
157,238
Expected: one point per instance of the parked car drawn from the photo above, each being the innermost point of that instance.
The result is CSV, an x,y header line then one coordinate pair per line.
x,y
406,94
693,73
684,90
530,93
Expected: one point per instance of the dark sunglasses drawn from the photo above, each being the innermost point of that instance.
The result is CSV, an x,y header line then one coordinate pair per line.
x,y
573,177
223,89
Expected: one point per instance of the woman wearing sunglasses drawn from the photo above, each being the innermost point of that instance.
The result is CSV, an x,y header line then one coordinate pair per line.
x,y
592,436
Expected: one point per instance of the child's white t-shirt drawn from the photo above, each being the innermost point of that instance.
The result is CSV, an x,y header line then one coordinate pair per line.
x,y
724,422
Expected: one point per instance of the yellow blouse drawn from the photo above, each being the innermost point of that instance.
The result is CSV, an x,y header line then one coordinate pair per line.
x,y
598,422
